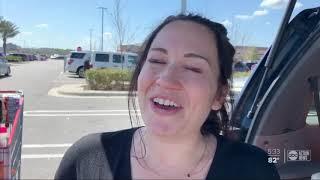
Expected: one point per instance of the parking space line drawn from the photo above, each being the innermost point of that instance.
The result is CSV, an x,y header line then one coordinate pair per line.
x,y
71,115
41,156
45,145
67,111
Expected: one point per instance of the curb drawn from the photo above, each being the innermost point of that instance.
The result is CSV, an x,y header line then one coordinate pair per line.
x,y
77,90
107,93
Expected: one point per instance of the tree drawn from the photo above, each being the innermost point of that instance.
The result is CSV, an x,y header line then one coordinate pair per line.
x,y
7,30
250,54
121,26
121,29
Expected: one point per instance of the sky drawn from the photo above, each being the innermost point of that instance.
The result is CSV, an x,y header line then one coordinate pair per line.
x,y
67,23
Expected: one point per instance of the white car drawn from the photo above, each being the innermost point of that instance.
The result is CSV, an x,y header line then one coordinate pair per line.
x,y
112,60
76,61
4,67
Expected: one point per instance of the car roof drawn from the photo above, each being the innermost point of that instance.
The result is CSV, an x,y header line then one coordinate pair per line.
x,y
80,52
110,52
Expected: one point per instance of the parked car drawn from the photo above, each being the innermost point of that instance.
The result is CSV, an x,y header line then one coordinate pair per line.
x,y
59,57
240,67
112,59
30,57
4,67
251,65
23,56
279,108
42,57
75,62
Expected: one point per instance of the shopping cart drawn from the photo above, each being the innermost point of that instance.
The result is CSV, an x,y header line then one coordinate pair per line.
x,y
11,124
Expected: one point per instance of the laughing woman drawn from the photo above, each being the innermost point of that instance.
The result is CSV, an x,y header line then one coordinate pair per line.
x,y
181,81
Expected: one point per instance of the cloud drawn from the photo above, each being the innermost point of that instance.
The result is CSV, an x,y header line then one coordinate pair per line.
x,y
42,26
260,12
27,33
268,23
298,5
278,4
243,17
254,14
226,23
107,34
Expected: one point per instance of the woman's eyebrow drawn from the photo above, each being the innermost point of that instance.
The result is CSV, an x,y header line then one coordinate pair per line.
x,y
193,55
160,49
187,55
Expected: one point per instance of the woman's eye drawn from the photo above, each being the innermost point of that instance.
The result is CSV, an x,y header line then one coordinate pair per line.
x,y
156,61
196,70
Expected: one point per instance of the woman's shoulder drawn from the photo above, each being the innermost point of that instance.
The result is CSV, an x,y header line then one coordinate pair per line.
x,y
93,155
103,140
244,159
236,149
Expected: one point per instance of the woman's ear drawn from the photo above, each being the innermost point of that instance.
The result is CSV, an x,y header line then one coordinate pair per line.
x,y
220,98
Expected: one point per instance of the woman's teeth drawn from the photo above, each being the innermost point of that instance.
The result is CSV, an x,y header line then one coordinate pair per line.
x,y
165,102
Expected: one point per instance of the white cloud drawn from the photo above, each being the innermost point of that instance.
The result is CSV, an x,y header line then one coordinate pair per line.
x,y
268,23
226,23
298,5
260,12
243,17
254,14
42,26
278,4
27,33
107,34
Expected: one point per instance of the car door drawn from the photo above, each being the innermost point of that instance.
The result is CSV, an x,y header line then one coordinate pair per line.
x,y
117,60
102,60
279,108
2,67
132,61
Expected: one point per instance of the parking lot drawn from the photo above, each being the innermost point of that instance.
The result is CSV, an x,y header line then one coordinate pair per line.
x,y
52,124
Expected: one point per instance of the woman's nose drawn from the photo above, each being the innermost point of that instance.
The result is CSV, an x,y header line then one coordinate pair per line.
x,y
168,78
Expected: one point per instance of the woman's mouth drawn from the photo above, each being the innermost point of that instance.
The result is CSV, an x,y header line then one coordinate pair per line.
x,y
164,107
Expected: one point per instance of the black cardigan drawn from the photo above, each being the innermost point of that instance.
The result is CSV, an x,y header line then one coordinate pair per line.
x,y
107,156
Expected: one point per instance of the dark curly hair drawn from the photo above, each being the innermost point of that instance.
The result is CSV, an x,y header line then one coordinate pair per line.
x,y
217,121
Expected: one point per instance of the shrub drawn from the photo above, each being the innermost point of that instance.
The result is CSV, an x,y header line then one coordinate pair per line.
x,y
241,74
13,58
108,79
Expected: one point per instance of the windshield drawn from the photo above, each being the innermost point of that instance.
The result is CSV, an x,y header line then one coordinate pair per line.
x,y
68,98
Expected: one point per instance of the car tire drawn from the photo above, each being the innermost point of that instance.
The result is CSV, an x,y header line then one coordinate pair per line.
x,y
81,72
8,72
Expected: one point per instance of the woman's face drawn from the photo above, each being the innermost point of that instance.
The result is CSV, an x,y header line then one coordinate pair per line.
x,y
181,70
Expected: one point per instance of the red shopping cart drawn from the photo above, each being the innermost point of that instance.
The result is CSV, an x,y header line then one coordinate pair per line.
x,y
11,124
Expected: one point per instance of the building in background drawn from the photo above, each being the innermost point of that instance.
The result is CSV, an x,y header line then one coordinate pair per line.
x,y
242,50
135,48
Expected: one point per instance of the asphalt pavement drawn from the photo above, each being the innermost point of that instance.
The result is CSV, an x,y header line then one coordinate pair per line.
x,y
53,123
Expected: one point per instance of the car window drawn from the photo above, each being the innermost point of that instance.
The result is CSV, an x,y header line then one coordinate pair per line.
x,y
102,57
132,59
117,58
77,55
312,116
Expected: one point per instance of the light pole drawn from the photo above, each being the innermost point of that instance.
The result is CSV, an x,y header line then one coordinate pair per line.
x,y
183,6
102,14
90,39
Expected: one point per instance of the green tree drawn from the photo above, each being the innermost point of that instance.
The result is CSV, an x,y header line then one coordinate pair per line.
x,y
250,54
7,30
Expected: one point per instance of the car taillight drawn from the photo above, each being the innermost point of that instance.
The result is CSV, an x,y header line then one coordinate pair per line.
x,y
70,61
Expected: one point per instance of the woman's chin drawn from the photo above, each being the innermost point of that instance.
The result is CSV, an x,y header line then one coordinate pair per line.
x,y
161,129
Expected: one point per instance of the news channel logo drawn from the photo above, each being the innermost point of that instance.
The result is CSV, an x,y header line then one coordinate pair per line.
x,y
298,155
